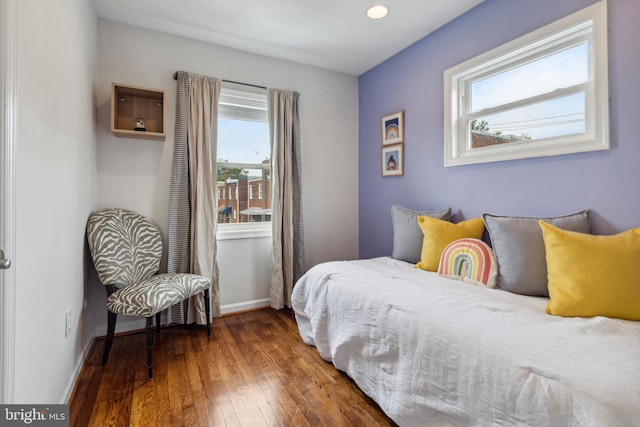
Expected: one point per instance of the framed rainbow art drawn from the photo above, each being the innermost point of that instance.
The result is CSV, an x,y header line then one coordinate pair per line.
x,y
393,128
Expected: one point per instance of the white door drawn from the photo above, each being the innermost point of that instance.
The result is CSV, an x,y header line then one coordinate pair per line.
x,y
8,116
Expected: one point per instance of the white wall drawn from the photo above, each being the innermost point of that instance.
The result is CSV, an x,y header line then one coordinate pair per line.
x,y
245,273
135,174
56,190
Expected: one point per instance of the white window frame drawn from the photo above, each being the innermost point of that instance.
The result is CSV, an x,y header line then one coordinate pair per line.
x,y
242,95
588,24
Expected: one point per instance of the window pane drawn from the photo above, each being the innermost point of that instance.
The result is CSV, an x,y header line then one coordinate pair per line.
x,y
553,118
242,141
246,142
561,69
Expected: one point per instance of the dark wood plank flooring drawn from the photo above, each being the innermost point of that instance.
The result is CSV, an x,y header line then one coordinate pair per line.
x,y
254,370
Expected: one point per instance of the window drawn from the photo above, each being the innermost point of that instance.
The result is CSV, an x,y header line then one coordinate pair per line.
x,y
543,94
244,157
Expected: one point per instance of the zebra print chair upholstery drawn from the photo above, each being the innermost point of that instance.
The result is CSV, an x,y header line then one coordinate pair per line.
x,y
126,249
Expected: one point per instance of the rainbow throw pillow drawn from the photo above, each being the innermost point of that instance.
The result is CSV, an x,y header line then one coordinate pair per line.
x,y
469,260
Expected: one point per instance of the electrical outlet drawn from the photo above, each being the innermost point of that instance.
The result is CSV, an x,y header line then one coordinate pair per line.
x,y
67,322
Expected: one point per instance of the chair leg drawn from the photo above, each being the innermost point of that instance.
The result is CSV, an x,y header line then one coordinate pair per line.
x,y
149,347
207,310
158,322
111,327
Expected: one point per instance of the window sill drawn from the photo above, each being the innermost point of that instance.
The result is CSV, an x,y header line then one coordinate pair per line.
x,y
235,232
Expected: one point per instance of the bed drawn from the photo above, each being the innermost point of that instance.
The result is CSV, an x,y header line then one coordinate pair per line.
x,y
435,351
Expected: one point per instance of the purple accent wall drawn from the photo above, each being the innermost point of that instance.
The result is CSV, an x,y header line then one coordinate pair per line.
x,y
606,182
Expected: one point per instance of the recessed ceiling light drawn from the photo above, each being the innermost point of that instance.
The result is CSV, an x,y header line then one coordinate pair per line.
x,y
377,11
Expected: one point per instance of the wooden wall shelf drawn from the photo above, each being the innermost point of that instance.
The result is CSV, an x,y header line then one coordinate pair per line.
x,y
131,103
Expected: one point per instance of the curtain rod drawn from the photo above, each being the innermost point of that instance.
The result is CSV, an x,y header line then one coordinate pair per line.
x,y
175,77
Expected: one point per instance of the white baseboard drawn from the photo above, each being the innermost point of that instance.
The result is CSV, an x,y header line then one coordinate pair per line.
x,y
66,395
126,324
244,306
123,324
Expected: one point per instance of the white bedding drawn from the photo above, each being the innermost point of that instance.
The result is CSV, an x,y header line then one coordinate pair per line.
x,y
435,351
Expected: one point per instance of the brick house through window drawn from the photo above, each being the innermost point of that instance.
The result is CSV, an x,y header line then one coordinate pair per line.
x,y
481,139
234,202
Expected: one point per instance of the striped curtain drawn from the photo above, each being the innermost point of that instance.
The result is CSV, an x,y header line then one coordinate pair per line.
x,y
287,256
192,202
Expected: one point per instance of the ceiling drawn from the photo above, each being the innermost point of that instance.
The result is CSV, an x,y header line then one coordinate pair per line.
x,y
332,34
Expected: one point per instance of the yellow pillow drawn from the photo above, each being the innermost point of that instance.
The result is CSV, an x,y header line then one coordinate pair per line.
x,y
438,234
592,275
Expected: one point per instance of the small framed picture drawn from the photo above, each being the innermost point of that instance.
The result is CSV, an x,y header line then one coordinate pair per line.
x,y
393,160
393,128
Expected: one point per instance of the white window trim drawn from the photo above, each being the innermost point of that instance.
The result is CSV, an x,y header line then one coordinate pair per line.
x,y
595,138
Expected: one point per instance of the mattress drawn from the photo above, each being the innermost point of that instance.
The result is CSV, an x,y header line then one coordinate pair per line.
x,y
436,351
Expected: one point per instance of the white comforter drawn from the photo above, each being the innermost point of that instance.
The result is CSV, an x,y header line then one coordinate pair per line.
x,y
433,351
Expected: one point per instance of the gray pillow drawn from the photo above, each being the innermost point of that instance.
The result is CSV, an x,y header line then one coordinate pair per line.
x,y
407,236
518,247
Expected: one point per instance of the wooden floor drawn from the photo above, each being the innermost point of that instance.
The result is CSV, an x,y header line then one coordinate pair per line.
x,y
254,370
